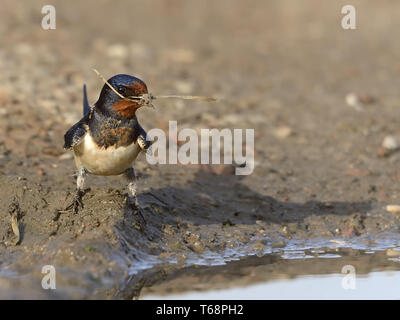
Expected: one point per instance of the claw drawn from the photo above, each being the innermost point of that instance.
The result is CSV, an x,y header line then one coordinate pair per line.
x,y
134,204
76,202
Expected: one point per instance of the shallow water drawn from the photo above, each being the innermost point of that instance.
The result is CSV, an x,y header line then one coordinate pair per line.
x,y
376,285
293,249
299,269
360,268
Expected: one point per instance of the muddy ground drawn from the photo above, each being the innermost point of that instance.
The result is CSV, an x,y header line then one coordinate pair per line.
x,y
283,68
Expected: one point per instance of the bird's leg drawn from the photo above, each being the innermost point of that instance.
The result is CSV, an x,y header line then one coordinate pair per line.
x,y
132,186
80,184
132,191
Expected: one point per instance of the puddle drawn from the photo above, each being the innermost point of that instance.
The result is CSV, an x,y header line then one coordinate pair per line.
x,y
303,269
377,285
293,249
298,269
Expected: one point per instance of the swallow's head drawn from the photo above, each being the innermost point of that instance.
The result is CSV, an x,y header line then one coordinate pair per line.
x,y
112,104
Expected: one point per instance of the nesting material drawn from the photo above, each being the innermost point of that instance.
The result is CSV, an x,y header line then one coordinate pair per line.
x,y
15,227
147,99
14,212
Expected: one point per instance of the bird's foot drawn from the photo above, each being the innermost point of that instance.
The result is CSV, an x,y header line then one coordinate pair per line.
x,y
77,202
133,203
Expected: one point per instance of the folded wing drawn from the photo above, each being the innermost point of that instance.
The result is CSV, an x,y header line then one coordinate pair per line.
x,y
76,133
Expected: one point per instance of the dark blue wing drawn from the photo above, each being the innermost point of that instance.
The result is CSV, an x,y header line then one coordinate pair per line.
x,y
86,107
142,136
75,134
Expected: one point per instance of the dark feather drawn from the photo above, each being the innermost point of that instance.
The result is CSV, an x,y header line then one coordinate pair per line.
x,y
142,135
75,134
107,131
86,107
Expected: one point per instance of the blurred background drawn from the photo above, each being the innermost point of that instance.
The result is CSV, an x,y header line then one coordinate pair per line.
x,y
322,101
283,68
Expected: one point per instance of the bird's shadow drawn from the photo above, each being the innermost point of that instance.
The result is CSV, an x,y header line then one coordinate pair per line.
x,y
210,198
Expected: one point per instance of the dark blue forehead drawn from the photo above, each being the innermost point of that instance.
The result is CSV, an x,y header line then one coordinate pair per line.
x,y
123,79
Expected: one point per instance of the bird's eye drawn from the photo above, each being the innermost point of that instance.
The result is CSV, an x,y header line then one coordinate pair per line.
x,y
121,89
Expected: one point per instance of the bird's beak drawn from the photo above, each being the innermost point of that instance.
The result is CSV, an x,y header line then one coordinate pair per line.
x,y
147,100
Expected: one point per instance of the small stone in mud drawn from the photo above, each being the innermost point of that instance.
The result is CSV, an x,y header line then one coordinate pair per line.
x,y
283,132
168,229
41,172
197,247
393,253
391,142
353,100
259,247
393,208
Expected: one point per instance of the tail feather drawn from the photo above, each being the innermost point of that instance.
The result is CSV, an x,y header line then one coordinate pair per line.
x,y
86,107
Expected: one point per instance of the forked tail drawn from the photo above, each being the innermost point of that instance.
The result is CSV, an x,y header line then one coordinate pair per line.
x,y
86,107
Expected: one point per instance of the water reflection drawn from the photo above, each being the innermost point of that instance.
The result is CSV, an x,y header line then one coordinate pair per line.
x,y
376,285
298,271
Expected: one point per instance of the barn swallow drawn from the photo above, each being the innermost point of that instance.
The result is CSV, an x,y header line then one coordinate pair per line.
x,y
108,139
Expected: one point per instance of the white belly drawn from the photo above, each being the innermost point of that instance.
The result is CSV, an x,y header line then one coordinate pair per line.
x,y
105,162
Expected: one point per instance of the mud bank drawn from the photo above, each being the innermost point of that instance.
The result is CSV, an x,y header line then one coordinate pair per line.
x,y
106,251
